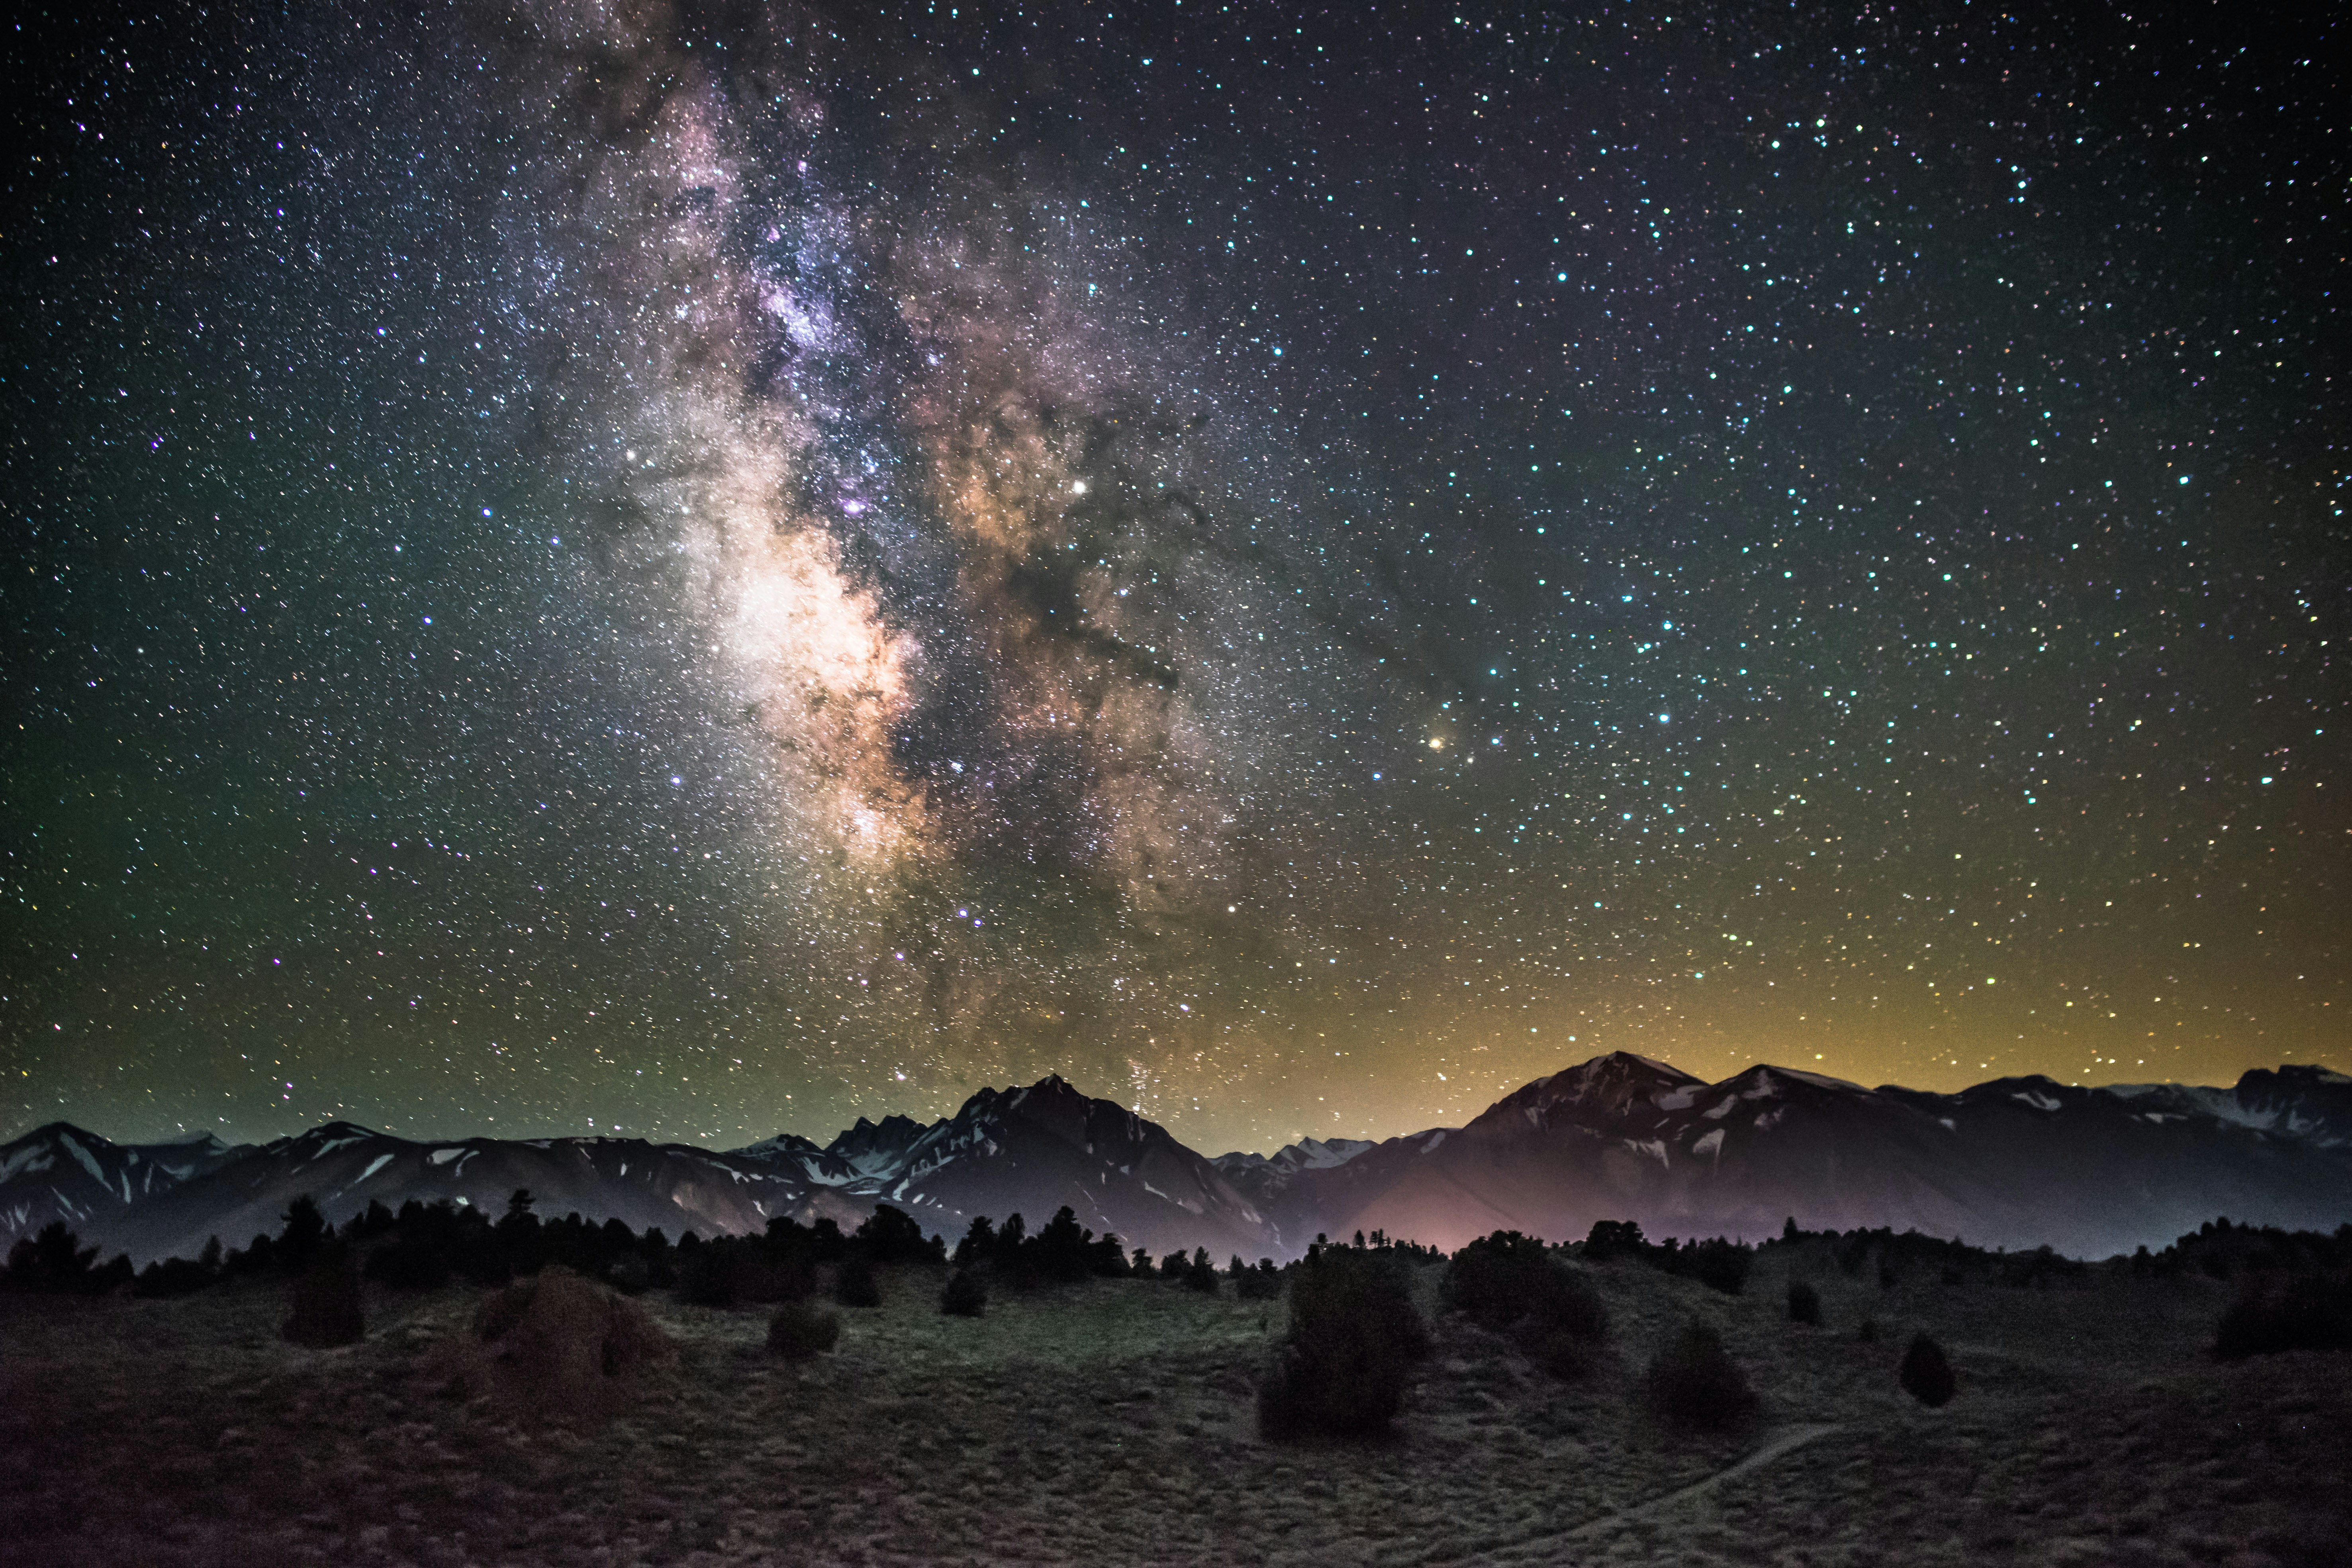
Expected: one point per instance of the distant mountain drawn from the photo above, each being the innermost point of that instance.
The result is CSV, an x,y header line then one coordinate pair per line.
x,y
2016,1163
345,1166
1033,1149
2307,1103
1261,1177
60,1172
1029,1151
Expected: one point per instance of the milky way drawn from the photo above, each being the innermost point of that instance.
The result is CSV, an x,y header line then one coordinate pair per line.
x,y
712,570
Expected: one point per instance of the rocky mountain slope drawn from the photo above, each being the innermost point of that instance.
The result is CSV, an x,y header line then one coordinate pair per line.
x,y
2016,1163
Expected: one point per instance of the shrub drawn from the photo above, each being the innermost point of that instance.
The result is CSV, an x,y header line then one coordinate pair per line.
x,y
1925,1375
799,1330
853,1284
966,1295
1510,1283
1804,1303
323,1302
1866,1331
555,1347
2306,1313
1694,1384
1354,1337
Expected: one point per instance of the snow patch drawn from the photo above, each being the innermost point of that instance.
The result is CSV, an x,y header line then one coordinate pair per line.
x,y
443,1157
2036,1099
1710,1145
1434,1140
88,1161
331,1144
1655,1148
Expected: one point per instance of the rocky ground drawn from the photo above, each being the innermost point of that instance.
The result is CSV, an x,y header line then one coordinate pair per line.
x,y
1112,1422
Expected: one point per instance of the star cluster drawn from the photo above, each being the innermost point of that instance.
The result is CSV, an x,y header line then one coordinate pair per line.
x,y
708,571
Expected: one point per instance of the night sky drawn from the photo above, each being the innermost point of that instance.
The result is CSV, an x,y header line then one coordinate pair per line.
x,y
713,569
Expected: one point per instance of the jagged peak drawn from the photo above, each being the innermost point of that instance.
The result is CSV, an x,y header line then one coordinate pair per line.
x,y
1763,1070
50,1129
2292,1072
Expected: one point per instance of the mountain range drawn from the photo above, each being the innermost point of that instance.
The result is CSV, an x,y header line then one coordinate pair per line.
x,y
2017,1163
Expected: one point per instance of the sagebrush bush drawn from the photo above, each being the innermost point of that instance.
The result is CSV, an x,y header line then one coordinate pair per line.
x,y
1354,1337
1866,1331
966,1295
1925,1375
1804,1303
555,1348
323,1302
853,1284
1693,1384
799,1330
1511,1284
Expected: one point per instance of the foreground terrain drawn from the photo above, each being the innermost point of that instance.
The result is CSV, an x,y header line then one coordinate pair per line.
x,y
1113,1422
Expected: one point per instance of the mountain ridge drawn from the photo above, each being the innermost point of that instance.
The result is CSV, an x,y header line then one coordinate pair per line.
x,y
2024,1160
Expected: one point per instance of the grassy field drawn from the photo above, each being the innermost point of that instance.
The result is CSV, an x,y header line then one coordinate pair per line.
x,y
1113,1423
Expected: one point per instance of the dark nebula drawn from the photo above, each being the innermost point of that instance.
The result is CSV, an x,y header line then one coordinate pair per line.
x,y
710,569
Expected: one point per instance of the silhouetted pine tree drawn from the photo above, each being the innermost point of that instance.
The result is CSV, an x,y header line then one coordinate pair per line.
x,y
306,1230
1354,1336
979,1243
1201,1274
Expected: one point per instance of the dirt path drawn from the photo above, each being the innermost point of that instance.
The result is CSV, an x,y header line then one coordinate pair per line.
x,y
1547,1548
1787,1440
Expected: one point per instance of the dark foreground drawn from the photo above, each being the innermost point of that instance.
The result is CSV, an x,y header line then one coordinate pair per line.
x,y
1113,1422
